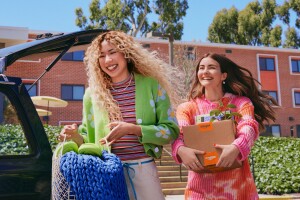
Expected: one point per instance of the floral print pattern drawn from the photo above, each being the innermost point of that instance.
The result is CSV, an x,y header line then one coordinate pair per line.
x,y
172,115
161,94
91,117
162,132
152,104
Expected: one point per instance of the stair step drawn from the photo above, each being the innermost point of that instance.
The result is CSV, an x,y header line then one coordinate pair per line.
x,y
163,162
177,191
174,185
166,157
172,173
173,179
169,168
172,182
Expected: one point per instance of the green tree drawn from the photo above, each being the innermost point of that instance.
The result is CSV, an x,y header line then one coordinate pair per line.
x,y
283,13
295,5
225,22
131,16
292,39
254,25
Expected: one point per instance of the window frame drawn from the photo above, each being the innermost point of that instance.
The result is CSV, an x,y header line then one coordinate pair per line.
x,y
268,93
269,130
30,82
295,91
70,56
190,53
266,63
291,59
71,85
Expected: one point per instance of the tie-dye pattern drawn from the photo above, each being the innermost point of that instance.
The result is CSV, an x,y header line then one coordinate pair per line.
x,y
236,184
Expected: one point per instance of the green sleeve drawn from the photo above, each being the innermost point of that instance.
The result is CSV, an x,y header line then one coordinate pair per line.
x,y
165,130
84,128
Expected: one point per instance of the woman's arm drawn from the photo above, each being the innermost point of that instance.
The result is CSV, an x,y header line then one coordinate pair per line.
x,y
247,129
165,130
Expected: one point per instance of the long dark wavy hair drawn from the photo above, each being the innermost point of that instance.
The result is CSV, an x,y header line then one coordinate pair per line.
x,y
240,82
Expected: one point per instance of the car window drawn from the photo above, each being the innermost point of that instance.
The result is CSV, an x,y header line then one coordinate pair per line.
x,y
12,138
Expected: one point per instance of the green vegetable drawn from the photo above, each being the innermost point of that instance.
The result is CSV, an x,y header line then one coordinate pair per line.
x,y
67,147
90,149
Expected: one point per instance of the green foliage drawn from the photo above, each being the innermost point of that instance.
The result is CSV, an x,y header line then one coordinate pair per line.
x,y
131,16
292,39
254,25
223,112
52,133
225,22
277,165
13,140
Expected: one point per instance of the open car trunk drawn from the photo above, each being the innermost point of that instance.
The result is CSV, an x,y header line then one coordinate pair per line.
x,y
25,152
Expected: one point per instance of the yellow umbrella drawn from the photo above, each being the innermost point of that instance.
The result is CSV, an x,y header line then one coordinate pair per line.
x,y
42,112
48,101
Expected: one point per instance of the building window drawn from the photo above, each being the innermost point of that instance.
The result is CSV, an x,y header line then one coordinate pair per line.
x,y
33,88
272,130
146,46
267,64
295,66
297,98
297,130
73,56
72,92
190,53
272,94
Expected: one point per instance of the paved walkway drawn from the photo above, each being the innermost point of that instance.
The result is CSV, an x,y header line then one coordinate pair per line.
x,y
261,196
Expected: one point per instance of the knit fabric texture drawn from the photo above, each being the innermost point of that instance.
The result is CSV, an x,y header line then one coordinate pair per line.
x,y
91,177
154,115
235,184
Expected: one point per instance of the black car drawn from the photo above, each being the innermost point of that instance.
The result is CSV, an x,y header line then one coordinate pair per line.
x,y
25,152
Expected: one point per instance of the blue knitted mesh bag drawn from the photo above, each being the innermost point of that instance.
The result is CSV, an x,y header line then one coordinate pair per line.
x,y
91,177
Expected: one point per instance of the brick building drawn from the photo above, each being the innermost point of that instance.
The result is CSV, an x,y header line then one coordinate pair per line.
x,y
277,69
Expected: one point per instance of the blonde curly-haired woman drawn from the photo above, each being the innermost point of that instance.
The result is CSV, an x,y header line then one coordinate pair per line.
x,y
129,104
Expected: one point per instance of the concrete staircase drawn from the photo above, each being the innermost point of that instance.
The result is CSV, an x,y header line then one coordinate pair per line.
x,y
173,177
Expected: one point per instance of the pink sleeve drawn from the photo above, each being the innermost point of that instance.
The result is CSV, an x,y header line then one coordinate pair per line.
x,y
184,117
247,130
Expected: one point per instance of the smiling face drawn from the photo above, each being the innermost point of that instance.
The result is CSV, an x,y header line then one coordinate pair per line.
x,y
113,62
209,74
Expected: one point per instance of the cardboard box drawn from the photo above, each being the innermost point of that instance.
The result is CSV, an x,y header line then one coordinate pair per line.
x,y
204,135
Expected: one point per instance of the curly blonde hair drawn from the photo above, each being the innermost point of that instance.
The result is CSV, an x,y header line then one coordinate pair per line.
x,y
139,60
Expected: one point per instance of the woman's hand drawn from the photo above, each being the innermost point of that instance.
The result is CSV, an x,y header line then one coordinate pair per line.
x,y
228,155
118,130
189,158
70,132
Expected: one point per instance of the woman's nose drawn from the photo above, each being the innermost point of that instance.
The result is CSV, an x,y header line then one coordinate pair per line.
x,y
107,58
205,71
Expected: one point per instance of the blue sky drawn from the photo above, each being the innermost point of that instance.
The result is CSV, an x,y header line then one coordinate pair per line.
x,y
59,15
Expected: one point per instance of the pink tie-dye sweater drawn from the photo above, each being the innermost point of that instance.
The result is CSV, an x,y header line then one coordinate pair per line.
x,y
236,184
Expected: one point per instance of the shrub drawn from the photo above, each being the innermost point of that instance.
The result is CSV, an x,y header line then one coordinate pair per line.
x,y
276,165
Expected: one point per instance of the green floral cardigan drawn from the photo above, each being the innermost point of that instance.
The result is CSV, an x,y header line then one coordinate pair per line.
x,y
153,114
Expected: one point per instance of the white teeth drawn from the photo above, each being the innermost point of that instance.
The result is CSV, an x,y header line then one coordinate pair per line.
x,y
112,67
